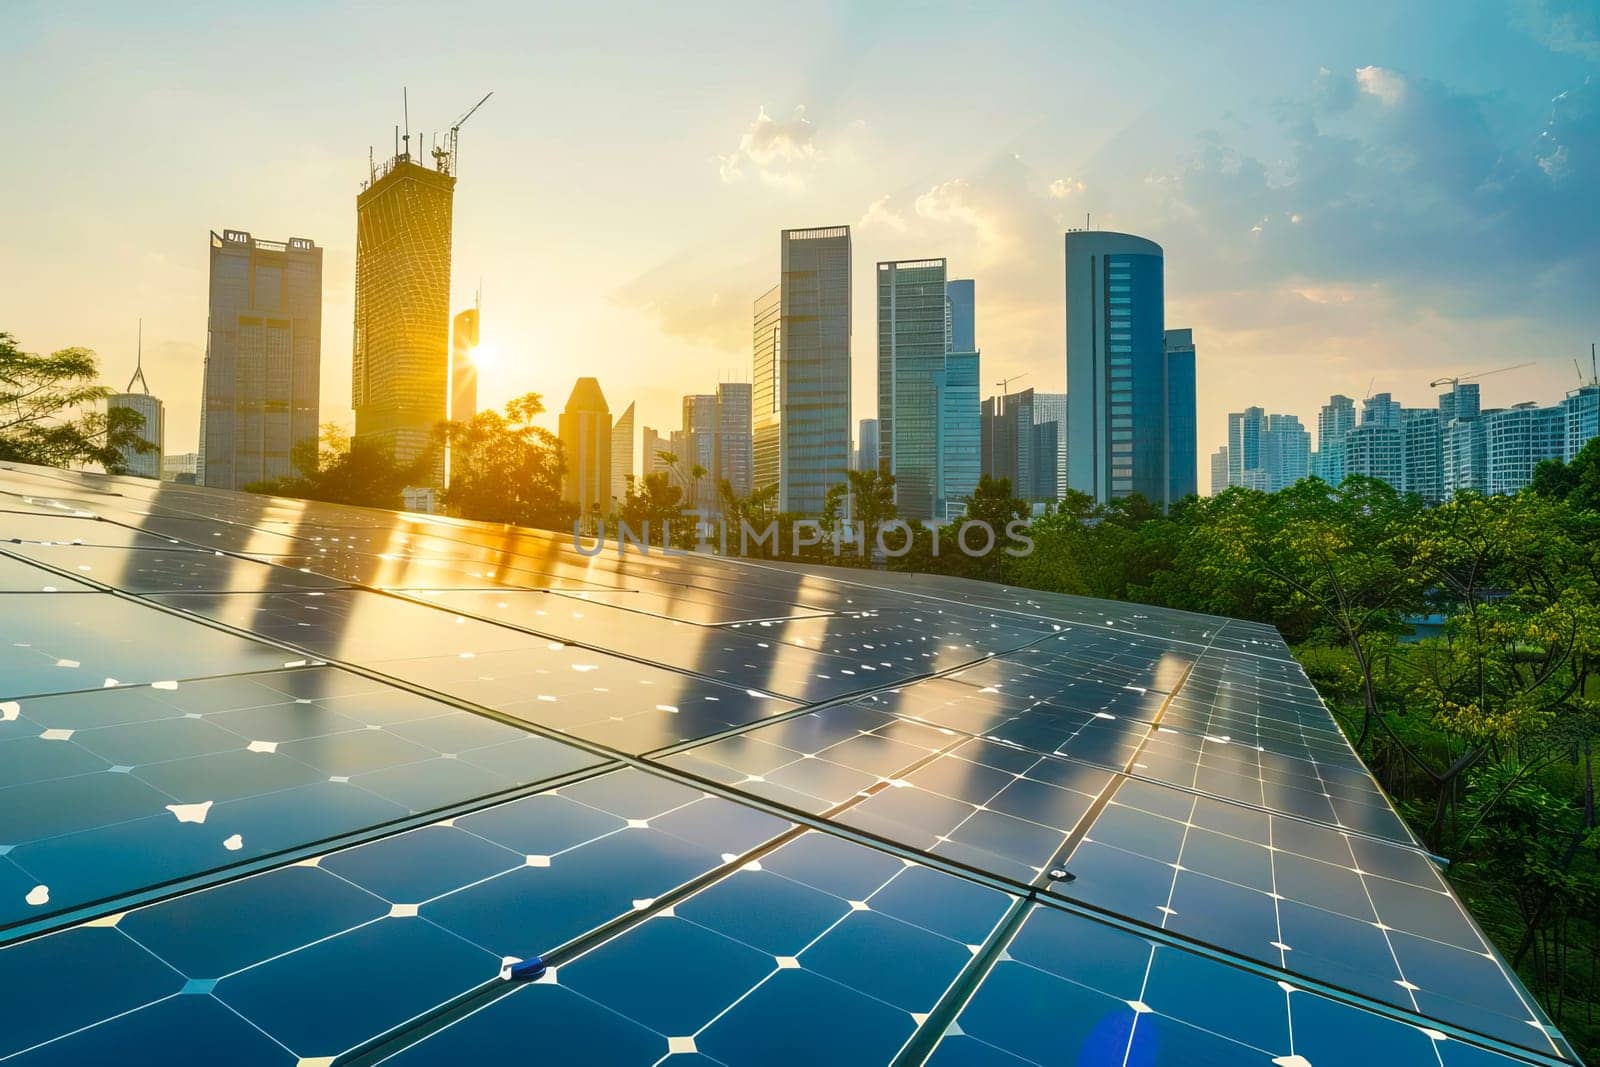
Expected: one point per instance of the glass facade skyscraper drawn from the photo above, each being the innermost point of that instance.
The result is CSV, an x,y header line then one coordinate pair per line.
x,y
1337,418
1182,451
400,364
1052,407
1120,436
263,367
867,445
585,430
912,338
811,367
621,455
766,413
731,459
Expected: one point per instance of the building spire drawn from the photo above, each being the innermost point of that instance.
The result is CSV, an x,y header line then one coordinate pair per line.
x,y
138,366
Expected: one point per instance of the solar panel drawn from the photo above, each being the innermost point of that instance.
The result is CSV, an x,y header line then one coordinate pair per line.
x,y
285,782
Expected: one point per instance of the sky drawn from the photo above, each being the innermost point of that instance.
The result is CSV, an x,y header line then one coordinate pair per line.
x,y
1352,198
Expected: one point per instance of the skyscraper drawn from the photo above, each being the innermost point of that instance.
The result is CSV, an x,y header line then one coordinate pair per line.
x,y
867,445
621,455
766,416
1129,420
913,333
463,366
585,427
401,356
1460,401
1516,439
963,315
1285,452
1582,406
699,451
1337,418
812,365
1244,442
960,433
1422,453
731,461
651,445
153,430
1376,447
1182,451
1020,447
1219,470
1052,407
263,357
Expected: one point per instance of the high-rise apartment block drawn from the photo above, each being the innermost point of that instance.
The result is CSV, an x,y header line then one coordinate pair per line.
x,y
262,379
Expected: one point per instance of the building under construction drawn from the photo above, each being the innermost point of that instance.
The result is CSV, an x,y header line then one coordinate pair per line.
x,y
400,370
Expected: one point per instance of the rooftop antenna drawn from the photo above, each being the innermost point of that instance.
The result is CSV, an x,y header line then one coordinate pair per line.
x,y
1086,218
405,105
138,365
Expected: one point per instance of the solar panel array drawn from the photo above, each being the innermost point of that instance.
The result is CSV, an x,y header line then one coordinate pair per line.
x,y
292,782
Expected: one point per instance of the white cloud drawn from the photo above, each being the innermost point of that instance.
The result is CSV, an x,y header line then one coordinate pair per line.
x,y
881,216
1062,188
779,151
1387,85
960,201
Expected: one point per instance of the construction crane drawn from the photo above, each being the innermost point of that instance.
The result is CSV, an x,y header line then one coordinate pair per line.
x,y
445,158
1455,380
1005,383
1594,370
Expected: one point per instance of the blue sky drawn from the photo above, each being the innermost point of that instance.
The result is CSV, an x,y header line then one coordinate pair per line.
x,y
1348,194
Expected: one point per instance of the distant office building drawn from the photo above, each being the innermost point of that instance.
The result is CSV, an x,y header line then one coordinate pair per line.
x,y
1258,479
463,366
1019,448
1285,452
1120,414
263,364
732,460
1422,453
1052,407
1517,439
810,368
1183,450
962,333
1219,470
766,416
401,358
621,455
153,416
928,409
651,445
960,435
181,468
1582,408
1244,442
1376,447
867,445
585,430
1337,418
697,450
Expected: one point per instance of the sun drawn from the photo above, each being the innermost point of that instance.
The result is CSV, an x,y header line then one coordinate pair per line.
x,y
485,355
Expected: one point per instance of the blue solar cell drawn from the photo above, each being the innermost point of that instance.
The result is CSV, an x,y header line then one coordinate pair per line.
x,y
183,1031
383,973
766,910
765,1026
545,1023
263,916
420,865
668,974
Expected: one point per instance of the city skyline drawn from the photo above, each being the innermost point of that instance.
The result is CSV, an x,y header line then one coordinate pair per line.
x,y
650,281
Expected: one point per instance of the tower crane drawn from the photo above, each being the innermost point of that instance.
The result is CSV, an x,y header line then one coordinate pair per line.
x,y
1005,383
445,158
1454,380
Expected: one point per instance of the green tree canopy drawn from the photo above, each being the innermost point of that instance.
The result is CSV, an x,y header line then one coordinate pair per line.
x,y
503,468
42,411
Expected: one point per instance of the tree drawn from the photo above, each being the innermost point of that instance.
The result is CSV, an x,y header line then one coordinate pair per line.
x,y
41,411
1577,482
1346,555
655,505
335,469
503,468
